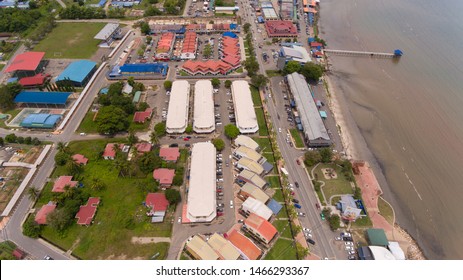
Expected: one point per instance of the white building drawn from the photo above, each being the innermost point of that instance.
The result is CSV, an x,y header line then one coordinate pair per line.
x,y
252,205
201,202
246,119
243,140
203,121
177,115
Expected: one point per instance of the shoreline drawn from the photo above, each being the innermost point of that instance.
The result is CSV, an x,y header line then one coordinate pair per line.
x,y
356,148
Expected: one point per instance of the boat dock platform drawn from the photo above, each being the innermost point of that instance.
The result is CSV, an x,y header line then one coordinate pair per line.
x,y
396,53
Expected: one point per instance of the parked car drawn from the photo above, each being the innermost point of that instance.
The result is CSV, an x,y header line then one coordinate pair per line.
x,y
351,257
297,206
352,252
348,248
322,216
298,162
173,145
307,229
219,214
301,214
220,205
348,243
295,200
296,184
311,241
186,139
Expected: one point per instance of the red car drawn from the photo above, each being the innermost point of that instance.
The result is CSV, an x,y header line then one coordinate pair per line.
x,y
219,190
186,139
298,162
292,193
219,214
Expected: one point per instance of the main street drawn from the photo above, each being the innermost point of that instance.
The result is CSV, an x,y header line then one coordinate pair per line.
x,y
13,229
323,236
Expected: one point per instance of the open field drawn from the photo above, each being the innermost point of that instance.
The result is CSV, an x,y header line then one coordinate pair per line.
x,y
337,186
88,125
297,138
261,122
264,144
282,250
71,40
120,215
255,96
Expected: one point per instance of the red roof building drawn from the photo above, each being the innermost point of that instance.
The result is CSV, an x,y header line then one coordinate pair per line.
x,y
165,45
109,152
28,61
19,254
213,67
244,245
87,211
41,216
80,159
34,81
141,117
62,182
260,228
230,51
169,154
143,147
157,201
280,28
189,42
165,176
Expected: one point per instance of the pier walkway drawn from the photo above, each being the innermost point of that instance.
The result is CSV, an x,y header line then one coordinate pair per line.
x,y
363,53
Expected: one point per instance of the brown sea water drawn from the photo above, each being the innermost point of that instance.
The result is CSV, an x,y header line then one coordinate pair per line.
x,y
410,113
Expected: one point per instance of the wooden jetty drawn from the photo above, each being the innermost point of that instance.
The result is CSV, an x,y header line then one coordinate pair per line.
x,y
396,53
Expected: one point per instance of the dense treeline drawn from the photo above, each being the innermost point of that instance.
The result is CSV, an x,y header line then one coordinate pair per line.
x,y
82,12
18,20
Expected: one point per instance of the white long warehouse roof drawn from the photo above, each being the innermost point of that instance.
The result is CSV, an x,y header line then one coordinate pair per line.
x,y
204,107
246,119
177,115
314,128
201,205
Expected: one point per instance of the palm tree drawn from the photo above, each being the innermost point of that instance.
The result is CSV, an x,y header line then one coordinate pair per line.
x,y
97,184
154,138
62,147
32,193
73,167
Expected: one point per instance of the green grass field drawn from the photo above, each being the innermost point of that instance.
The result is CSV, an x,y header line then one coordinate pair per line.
x,y
71,40
121,200
255,96
282,250
386,211
88,125
264,144
263,131
297,138
13,114
333,186
273,73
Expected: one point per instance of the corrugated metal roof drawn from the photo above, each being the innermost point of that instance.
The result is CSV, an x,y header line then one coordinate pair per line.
x,y
107,31
203,121
40,97
77,71
246,118
201,249
223,247
257,207
243,140
177,114
255,192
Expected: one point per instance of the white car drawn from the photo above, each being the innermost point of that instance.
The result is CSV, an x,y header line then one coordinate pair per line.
x,y
348,248
231,203
279,129
338,238
179,220
307,229
348,243
308,235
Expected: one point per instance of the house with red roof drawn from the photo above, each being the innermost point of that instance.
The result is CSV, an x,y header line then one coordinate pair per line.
x,y
109,152
143,147
316,45
169,154
41,216
247,248
87,211
164,46
164,176
212,67
142,116
80,159
158,204
261,229
34,81
189,45
280,28
26,64
62,182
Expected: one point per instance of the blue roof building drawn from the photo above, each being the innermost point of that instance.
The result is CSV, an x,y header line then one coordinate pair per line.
x,y
230,34
78,72
42,98
147,69
274,206
40,121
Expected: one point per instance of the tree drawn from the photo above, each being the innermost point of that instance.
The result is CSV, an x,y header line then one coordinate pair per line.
x,y
326,155
160,129
189,129
312,157
145,28
215,82
246,27
61,158
228,83
33,193
291,67
178,180
142,106
27,140
334,221
11,138
231,131
132,138
73,168
251,65
96,184
131,81
154,138
36,141
219,144
59,219
312,71
167,84
302,251
31,228
61,147
259,80
111,119
148,162
357,193
173,196
207,51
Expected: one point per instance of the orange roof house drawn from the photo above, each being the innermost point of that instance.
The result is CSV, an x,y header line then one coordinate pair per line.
x,y
247,248
143,147
169,154
165,176
87,211
260,228
80,159
109,152
62,182
41,216
141,117
157,201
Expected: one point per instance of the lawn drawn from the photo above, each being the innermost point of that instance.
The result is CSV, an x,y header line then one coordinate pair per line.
x,y
283,228
273,73
264,144
1,66
333,186
282,214
71,40
385,210
120,215
261,122
297,138
88,125
13,114
6,250
255,96
282,250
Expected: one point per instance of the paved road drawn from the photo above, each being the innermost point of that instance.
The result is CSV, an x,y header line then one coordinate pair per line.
x,y
13,229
